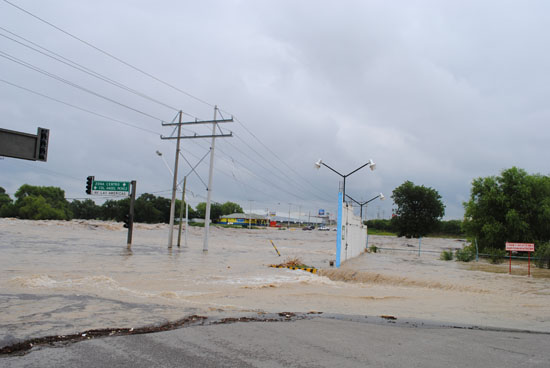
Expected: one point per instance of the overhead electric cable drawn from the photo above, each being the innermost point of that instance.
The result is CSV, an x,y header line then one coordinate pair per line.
x,y
259,163
156,79
86,70
275,155
74,85
78,107
108,54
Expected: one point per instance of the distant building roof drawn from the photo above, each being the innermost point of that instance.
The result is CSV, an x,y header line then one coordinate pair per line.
x,y
244,216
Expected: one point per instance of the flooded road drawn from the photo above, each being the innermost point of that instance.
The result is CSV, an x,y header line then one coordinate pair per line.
x,y
63,277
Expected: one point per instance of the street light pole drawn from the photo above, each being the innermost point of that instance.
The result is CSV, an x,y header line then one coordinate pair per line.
x,y
369,163
381,196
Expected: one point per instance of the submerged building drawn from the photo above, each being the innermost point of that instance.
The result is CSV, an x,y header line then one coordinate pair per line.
x,y
243,219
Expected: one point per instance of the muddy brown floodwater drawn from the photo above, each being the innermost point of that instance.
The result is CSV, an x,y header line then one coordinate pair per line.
x,y
59,278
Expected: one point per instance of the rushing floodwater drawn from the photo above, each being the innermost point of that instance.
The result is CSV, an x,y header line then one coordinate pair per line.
x,y
65,277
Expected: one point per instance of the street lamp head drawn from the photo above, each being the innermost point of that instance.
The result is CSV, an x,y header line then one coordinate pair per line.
x,y
372,165
159,153
318,164
382,197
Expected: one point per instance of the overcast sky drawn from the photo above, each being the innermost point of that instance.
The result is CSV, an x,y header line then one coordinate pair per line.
x,y
436,92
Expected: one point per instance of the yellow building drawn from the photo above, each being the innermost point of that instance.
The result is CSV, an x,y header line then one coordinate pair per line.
x,y
243,219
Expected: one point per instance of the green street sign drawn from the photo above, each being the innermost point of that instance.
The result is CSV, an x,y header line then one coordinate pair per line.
x,y
114,188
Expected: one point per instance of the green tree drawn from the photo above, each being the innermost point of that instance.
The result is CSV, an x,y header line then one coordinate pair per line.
x,y
6,204
85,210
230,207
380,224
192,213
419,210
514,206
145,209
450,227
113,210
41,203
215,210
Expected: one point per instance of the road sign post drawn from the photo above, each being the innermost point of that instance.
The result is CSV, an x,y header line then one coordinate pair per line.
x,y
114,188
520,247
131,215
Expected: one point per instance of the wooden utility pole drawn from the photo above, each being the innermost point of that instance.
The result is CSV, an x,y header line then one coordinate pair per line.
x,y
209,189
174,187
181,211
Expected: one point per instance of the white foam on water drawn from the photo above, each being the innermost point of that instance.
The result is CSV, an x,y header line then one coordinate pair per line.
x,y
47,282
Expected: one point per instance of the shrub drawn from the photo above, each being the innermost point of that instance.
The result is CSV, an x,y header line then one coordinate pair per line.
x,y
446,255
542,255
496,256
466,254
373,249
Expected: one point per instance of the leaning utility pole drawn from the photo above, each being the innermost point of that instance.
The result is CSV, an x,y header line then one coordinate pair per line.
x,y
209,189
181,212
174,187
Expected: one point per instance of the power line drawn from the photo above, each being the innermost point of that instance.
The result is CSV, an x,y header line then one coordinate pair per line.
x,y
276,156
74,85
156,133
83,69
96,114
108,54
78,107
156,79
286,177
165,83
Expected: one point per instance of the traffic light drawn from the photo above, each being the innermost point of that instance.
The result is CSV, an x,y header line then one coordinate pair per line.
x,y
89,181
43,137
126,221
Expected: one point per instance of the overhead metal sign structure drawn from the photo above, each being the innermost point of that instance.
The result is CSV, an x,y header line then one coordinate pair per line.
x,y
24,145
114,188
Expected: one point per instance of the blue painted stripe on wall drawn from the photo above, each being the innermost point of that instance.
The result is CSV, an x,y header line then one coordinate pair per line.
x,y
339,230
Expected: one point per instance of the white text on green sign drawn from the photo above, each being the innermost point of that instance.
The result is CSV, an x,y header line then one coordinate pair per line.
x,y
116,188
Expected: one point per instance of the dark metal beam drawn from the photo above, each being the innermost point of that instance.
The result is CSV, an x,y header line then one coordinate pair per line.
x,y
200,122
199,136
23,145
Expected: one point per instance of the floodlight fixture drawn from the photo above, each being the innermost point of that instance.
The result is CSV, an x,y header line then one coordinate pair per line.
x,y
318,164
372,165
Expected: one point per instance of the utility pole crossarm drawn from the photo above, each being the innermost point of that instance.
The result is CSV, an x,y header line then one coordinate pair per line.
x,y
200,136
200,122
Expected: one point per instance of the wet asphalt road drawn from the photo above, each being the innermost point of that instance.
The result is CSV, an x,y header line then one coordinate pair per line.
x,y
316,342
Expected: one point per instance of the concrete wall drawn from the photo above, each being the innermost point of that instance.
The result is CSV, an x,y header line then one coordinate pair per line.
x,y
352,235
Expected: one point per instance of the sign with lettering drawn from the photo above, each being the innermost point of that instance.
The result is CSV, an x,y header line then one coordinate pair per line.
x,y
520,247
114,188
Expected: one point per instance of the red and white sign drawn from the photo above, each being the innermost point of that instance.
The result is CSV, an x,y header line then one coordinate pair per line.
x,y
520,247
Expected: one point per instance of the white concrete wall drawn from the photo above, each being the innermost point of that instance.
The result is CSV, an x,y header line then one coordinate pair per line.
x,y
354,234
